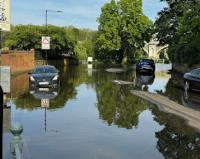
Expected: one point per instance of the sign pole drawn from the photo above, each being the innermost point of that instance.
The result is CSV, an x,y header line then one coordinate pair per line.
x,y
46,34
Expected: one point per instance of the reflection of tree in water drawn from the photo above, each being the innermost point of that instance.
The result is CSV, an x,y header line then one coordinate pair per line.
x,y
176,140
118,106
71,77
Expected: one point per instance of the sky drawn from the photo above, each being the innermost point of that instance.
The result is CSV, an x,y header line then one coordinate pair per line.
x,y
79,13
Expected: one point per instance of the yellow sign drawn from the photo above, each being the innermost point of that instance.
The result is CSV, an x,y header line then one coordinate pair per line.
x,y
5,15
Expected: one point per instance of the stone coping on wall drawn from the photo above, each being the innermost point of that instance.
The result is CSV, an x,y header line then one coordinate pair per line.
x,y
16,51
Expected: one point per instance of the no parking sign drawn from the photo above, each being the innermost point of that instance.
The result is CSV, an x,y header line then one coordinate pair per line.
x,y
45,103
46,43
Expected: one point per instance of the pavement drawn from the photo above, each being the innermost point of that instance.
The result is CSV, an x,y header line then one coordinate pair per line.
x,y
191,116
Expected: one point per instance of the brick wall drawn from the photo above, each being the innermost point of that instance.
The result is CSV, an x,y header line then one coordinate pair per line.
x,y
19,61
19,84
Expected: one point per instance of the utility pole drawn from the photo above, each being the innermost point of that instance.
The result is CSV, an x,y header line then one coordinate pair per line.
x,y
46,34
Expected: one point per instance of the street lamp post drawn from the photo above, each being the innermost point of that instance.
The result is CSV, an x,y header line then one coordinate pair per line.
x,y
46,23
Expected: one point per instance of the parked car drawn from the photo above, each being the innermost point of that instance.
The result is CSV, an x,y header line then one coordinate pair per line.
x,y
192,80
145,65
44,76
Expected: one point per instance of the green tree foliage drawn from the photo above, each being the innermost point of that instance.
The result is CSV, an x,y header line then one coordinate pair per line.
x,y
63,39
108,38
178,26
135,28
24,37
123,30
81,51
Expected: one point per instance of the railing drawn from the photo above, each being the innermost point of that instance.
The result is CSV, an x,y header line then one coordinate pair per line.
x,y
16,143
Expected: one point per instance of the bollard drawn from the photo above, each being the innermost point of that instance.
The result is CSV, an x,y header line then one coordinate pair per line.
x,y
16,144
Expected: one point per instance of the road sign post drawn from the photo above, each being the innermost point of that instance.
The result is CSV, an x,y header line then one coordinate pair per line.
x,y
46,43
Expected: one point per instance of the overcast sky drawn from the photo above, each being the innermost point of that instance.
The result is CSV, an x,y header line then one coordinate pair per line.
x,y
79,13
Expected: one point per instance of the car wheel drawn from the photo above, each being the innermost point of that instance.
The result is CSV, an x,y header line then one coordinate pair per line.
x,y
187,86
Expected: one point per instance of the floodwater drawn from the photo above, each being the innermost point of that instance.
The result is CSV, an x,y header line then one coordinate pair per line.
x,y
92,117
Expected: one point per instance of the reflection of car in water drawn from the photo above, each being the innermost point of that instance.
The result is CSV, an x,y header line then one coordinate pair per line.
x,y
145,65
44,93
192,80
191,100
144,80
44,76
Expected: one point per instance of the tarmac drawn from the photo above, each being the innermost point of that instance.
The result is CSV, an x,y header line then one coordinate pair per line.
x,y
191,116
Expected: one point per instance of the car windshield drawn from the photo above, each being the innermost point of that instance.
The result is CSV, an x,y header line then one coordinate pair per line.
x,y
196,72
39,70
147,60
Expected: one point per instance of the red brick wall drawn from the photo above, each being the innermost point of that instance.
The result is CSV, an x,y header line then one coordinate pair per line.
x,y
19,61
19,84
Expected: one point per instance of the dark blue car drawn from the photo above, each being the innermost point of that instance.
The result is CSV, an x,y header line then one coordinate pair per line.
x,y
44,76
192,80
145,65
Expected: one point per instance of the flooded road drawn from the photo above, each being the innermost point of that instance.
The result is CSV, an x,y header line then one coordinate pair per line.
x,y
92,117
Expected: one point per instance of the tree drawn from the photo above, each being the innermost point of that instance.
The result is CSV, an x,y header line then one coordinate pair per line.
x,y
23,37
178,26
63,39
123,27
80,51
134,28
108,39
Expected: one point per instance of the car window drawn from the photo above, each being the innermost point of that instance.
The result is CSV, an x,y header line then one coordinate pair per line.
x,y
39,70
50,70
147,60
196,72
44,70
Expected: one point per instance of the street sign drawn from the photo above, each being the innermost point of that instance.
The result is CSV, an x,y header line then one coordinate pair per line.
x,y
46,43
45,103
5,15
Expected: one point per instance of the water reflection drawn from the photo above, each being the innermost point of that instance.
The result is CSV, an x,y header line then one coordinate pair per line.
x,y
191,100
90,113
144,80
174,90
118,106
44,93
176,140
